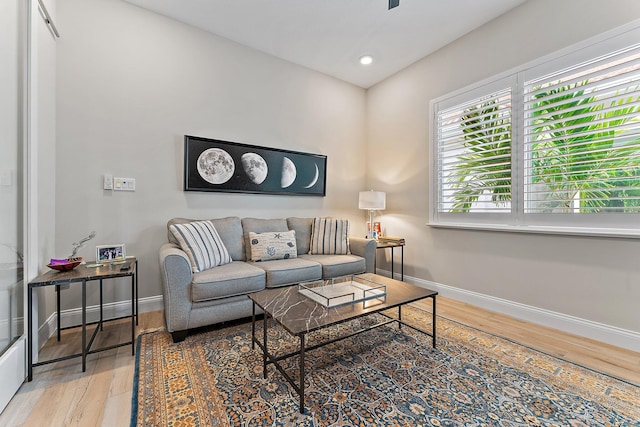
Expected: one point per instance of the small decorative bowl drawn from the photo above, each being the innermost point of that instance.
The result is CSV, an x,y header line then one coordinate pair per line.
x,y
64,264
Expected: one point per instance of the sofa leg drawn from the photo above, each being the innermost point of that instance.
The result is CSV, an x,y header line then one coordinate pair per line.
x,y
179,336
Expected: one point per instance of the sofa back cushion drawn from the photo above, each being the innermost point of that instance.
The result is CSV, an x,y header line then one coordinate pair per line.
x,y
302,227
257,225
329,237
229,229
202,244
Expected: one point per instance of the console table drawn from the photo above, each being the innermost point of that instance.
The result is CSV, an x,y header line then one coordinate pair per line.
x,y
386,245
82,274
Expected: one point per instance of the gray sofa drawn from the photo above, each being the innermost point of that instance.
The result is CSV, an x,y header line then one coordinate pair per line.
x,y
219,294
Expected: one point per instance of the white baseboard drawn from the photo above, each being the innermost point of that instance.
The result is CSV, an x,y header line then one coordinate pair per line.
x,y
113,310
585,328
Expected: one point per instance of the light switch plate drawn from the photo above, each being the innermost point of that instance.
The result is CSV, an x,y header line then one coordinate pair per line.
x,y
108,182
124,184
6,177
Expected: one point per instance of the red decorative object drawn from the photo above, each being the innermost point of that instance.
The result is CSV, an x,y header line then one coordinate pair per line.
x,y
65,265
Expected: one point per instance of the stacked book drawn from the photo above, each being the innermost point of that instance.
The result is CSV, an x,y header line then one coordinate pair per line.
x,y
389,239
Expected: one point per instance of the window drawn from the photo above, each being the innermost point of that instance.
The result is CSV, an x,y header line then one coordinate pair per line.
x,y
582,138
554,144
474,151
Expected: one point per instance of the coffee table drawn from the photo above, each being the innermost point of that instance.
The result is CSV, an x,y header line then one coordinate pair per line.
x,y
300,315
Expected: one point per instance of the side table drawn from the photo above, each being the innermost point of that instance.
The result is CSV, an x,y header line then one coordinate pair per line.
x,y
386,245
82,274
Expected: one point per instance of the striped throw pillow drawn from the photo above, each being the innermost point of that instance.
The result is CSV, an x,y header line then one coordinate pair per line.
x,y
329,236
202,244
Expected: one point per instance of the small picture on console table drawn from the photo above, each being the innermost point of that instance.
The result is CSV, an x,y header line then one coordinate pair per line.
x,y
109,253
215,165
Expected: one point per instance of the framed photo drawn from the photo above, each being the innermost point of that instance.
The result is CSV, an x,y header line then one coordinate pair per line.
x,y
214,165
377,229
109,253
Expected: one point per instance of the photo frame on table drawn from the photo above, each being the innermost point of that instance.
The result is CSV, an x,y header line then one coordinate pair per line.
x,y
377,229
215,165
110,253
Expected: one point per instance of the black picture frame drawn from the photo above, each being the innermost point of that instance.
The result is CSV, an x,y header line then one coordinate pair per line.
x,y
224,166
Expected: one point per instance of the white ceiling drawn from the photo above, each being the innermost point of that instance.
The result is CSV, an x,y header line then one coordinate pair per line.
x,y
331,35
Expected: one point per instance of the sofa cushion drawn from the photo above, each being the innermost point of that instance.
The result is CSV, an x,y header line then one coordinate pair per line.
x,y
229,229
329,237
289,271
258,225
338,265
272,245
302,227
202,244
235,278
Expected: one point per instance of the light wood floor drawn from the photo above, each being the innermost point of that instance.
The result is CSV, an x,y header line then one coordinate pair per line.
x,y
61,395
609,359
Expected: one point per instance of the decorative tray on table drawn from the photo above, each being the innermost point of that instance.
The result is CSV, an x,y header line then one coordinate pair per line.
x,y
66,264
342,290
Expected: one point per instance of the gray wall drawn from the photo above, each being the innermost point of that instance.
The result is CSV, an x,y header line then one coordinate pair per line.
x,y
132,83
591,278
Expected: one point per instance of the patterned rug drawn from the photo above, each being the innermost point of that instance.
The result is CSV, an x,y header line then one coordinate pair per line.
x,y
383,377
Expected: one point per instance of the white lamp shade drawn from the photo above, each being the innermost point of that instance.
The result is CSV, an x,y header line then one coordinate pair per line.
x,y
372,200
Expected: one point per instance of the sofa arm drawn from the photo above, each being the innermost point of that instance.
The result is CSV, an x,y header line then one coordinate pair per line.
x,y
366,248
176,286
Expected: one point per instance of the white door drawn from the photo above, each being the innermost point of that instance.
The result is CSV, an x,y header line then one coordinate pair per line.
x,y
12,96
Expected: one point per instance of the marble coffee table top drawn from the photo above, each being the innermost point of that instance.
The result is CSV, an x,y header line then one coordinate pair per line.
x,y
299,314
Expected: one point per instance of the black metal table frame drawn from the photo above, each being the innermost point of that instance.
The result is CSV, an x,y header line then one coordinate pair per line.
x,y
86,348
268,358
391,246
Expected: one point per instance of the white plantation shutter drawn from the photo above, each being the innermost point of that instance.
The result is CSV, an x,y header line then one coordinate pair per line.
x,y
552,146
582,138
474,155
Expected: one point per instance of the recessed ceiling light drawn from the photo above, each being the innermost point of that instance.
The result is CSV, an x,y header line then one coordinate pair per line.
x,y
366,59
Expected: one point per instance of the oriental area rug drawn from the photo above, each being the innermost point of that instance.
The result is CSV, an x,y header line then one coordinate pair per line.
x,y
383,377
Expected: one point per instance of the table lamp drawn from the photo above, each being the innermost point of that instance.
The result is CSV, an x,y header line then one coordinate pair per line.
x,y
372,201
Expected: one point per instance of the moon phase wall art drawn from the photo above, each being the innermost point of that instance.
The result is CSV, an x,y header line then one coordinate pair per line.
x,y
214,165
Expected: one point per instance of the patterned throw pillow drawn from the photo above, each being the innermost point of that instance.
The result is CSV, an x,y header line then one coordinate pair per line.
x,y
273,245
329,236
202,244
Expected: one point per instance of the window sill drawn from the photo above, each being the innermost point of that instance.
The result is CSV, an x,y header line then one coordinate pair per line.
x,y
563,231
